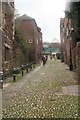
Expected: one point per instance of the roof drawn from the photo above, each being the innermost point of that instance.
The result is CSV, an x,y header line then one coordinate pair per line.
x,y
55,45
25,17
54,41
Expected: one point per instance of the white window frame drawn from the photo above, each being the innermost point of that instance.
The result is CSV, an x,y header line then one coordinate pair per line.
x,y
37,41
30,41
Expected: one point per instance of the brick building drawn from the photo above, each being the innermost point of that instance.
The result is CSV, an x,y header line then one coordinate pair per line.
x,y
62,39
70,36
65,25
6,35
31,36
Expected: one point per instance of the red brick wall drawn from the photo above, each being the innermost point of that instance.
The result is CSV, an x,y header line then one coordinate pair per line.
x,y
62,38
26,29
1,50
29,30
78,61
7,38
21,58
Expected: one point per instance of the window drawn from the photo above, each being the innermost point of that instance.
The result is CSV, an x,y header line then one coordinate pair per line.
x,y
0,19
37,41
30,41
7,58
40,39
63,40
3,22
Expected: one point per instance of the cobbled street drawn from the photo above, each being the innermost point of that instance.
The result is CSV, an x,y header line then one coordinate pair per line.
x,y
43,93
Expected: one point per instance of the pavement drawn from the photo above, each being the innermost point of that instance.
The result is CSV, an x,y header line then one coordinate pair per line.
x,y
6,85
11,89
68,90
71,90
43,81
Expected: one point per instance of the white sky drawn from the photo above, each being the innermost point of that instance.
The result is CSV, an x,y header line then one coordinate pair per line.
x,y
47,14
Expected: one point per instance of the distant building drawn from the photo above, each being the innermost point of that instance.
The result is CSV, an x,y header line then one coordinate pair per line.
x,y
32,36
53,47
46,49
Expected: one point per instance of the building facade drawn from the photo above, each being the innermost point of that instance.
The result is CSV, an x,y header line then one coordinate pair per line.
x,y
65,40
51,48
62,39
31,36
70,36
6,35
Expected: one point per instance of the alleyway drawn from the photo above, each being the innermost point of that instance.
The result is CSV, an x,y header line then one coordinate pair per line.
x,y
43,93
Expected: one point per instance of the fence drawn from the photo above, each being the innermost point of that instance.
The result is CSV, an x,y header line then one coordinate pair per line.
x,y
19,70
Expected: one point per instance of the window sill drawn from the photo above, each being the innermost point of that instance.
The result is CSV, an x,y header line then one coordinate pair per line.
x,y
6,62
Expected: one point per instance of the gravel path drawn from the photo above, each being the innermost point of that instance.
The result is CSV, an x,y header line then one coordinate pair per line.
x,y
10,91
71,90
40,93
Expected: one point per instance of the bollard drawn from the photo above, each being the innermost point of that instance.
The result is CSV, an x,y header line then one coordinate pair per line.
x,y
22,70
14,75
1,80
27,68
70,66
33,64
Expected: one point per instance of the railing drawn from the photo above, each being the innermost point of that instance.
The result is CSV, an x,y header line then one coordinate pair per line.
x,y
20,70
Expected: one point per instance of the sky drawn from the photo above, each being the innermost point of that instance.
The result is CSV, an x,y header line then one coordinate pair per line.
x,y
47,14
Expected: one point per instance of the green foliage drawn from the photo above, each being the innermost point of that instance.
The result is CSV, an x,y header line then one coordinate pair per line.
x,y
19,39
